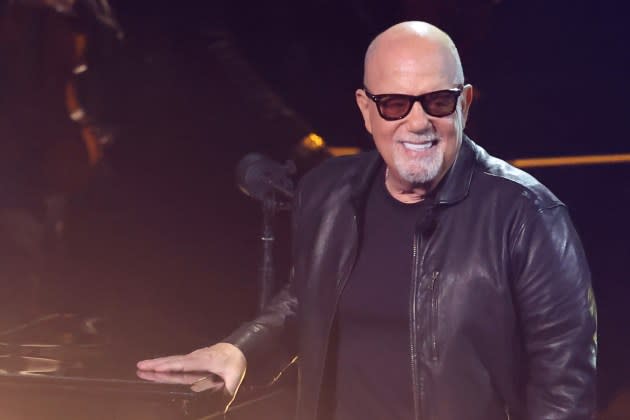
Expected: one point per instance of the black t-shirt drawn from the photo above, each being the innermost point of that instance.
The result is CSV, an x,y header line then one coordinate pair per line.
x,y
373,362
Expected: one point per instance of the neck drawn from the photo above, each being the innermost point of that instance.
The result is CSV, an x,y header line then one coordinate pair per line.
x,y
405,192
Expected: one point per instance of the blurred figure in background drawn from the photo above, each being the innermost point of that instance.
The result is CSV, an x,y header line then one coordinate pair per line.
x,y
51,143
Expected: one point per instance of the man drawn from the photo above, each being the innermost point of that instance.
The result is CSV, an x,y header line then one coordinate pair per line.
x,y
430,280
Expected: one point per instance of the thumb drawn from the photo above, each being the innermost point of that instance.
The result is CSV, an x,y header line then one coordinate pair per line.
x,y
233,381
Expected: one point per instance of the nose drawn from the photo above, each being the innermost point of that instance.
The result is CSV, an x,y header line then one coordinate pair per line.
x,y
417,120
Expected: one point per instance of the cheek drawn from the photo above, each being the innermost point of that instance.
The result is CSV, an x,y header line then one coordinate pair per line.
x,y
383,135
447,131
382,132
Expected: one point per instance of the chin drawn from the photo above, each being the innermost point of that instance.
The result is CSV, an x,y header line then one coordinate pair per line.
x,y
419,172
419,178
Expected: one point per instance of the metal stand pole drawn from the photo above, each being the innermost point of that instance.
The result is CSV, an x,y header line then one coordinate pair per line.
x,y
266,277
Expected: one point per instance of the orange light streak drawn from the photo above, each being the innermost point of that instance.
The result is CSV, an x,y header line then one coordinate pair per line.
x,y
570,160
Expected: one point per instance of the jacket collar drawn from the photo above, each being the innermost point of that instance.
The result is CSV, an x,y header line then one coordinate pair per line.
x,y
453,188
455,185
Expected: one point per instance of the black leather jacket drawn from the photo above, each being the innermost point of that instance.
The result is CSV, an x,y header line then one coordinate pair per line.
x,y
502,314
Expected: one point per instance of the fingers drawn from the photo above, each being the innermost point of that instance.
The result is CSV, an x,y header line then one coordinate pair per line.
x,y
150,364
199,382
171,378
187,363
172,363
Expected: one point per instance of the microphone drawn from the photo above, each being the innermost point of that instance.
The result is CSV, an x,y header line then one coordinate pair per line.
x,y
259,177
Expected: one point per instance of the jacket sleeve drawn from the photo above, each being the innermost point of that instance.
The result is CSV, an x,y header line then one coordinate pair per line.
x,y
269,342
557,312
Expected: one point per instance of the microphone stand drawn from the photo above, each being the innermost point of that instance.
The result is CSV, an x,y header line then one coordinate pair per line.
x,y
266,277
269,182
271,205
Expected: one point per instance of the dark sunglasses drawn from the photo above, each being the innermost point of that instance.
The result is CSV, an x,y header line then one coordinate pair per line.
x,y
396,106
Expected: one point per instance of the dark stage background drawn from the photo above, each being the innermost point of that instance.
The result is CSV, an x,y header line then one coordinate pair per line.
x,y
159,241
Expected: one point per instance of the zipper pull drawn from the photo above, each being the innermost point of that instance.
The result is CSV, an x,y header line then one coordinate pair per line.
x,y
434,277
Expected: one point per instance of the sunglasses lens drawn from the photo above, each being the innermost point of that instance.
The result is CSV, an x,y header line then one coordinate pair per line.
x,y
440,104
394,106
437,104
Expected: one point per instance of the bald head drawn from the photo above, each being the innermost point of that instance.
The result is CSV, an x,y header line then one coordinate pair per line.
x,y
419,62
418,44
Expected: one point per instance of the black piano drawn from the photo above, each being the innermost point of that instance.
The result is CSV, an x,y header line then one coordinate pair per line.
x,y
60,366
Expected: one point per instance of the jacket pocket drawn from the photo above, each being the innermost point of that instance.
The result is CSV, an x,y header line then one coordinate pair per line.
x,y
433,316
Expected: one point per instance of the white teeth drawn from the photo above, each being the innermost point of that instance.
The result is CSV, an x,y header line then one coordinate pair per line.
x,y
418,147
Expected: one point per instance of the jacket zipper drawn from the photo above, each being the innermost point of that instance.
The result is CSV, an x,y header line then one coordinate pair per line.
x,y
434,315
416,381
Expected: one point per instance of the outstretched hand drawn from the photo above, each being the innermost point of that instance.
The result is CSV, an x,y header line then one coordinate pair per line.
x,y
222,359
199,382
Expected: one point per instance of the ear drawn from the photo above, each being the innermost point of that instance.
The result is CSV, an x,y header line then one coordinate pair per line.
x,y
467,98
363,102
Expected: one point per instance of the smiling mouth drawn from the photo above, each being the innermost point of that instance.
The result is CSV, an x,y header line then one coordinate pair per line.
x,y
418,147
